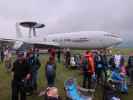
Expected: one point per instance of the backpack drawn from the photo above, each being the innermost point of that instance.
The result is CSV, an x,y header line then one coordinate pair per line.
x,y
85,64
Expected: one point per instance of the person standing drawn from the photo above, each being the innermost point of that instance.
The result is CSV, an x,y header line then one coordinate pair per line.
x,y
50,72
105,64
117,61
2,55
59,55
33,60
87,64
67,57
21,73
36,65
91,66
84,66
130,68
8,59
99,65
52,53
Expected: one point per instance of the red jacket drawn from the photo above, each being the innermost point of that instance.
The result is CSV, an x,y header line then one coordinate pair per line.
x,y
91,65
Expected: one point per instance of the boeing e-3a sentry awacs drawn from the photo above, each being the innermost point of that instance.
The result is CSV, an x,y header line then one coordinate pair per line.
x,y
81,40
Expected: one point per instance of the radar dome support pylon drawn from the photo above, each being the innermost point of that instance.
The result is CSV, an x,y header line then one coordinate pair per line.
x,y
32,27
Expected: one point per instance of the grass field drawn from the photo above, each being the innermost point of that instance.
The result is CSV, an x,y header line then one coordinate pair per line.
x,y
62,74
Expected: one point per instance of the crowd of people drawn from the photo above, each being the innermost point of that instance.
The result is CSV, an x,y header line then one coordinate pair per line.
x,y
25,73
97,64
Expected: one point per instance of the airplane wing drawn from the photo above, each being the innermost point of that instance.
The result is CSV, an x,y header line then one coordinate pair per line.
x,y
7,37
41,44
16,43
6,42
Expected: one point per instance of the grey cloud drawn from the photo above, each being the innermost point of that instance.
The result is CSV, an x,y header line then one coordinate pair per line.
x,y
70,15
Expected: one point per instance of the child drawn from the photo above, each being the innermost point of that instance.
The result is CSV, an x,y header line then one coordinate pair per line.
x,y
51,93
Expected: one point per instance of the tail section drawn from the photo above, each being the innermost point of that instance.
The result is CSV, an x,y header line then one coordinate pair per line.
x,y
32,26
18,44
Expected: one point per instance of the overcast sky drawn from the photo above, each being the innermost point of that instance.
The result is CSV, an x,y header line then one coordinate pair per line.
x,y
70,15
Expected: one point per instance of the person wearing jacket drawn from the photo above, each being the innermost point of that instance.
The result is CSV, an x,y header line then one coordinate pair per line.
x,y
117,61
2,55
99,66
130,68
91,65
84,65
33,60
88,68
21,72
50,72
8,59
67,58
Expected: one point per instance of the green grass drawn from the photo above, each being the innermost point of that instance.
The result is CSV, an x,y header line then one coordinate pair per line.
x,y
124,51
61,75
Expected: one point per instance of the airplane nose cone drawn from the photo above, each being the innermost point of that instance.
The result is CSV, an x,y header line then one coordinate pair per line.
x,y
119,41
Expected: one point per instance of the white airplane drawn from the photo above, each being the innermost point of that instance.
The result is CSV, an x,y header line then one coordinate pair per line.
x,y
80,40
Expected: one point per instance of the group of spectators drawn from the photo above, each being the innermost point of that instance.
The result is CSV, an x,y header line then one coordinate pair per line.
x,y
107,69
93,64
25,72
97,63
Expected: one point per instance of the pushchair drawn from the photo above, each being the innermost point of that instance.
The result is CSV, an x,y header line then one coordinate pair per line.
x,y
74,92
121,81
110,91
27,85
75,61
114,85
72,62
